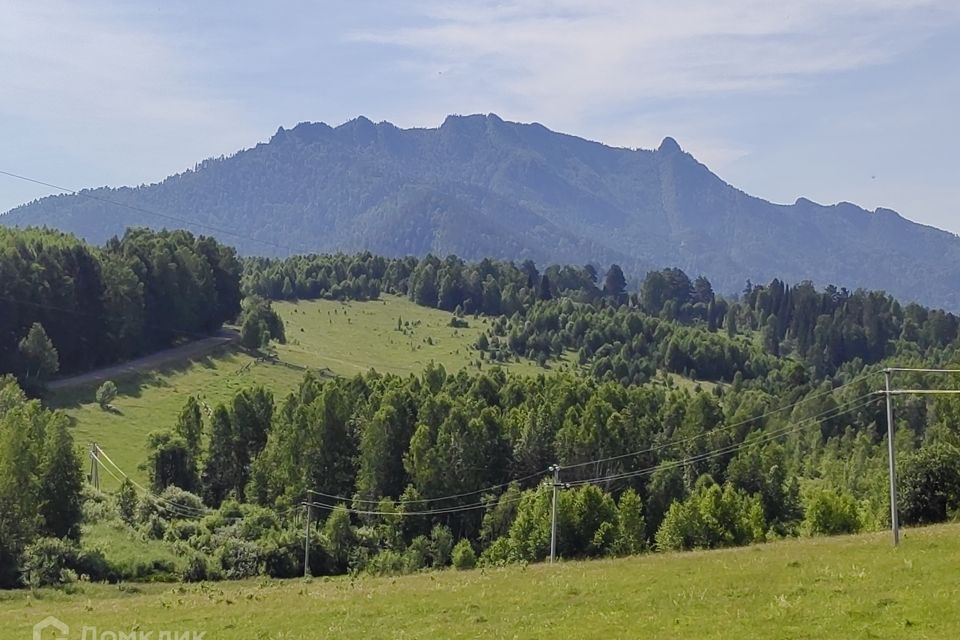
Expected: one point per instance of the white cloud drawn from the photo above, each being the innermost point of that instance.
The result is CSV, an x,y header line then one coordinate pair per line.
x,y
63,58
564,59
102,94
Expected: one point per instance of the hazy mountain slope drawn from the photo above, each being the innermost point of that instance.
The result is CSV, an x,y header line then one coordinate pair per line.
x,y
478,186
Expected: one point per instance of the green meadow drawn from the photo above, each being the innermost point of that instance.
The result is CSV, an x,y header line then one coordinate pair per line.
x,y
844,587
331,338
391,335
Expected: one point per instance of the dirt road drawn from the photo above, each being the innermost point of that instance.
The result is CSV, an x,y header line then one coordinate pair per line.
x,y
190,350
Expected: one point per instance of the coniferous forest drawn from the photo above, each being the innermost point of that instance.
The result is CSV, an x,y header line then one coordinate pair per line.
x,y
67,307
690,420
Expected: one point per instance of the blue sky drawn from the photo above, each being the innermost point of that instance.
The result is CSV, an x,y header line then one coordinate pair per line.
x,y
853,100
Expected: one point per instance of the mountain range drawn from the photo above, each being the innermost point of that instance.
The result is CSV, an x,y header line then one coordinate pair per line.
x,y
480,186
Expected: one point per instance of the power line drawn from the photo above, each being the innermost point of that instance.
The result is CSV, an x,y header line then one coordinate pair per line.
x,y
767,437
891,433
345,499
188,511
431,512
837,411
348,500
183,510
429,500
179,510
196,512
916,370
719,429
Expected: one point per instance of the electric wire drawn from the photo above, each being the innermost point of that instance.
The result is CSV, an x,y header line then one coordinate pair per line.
x,y
431,500
762,439
194,511
405,514
348,500
722,429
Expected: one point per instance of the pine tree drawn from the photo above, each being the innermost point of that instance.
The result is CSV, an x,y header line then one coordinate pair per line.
x,y
190,426
61,482
220,474
169,462
127,501
631,528
545,292
39,355
614,283
731,321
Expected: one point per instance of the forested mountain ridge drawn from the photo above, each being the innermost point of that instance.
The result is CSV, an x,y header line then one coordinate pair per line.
x,y
478,186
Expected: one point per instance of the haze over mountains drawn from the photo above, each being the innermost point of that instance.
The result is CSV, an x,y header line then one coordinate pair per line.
x,y
478,186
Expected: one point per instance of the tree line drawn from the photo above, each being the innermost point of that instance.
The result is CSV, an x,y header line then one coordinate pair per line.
x,y
40,482
68,307
489,287
397,468
615,332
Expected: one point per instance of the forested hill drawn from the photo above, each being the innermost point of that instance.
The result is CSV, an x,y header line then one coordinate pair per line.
x,y
478,186
67,307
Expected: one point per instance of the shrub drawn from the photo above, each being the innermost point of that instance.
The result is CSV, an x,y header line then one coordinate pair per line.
x,y
96,507
386,563
181,530
829,512
45,560
441,544
496,555
154,527
195,569
929,485
93,564
239,558
417,555
106,394
174,503
464,556
712,517
283,555
257,522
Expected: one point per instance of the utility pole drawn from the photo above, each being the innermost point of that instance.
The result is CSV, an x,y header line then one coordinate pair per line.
x,y
891,442
553,520
306,544
94,467
892,455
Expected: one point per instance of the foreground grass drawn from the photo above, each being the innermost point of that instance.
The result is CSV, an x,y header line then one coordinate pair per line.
x,y
849,587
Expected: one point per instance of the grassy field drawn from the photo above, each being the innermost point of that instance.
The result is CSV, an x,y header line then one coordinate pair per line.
x,y
332,337
152,401
351,337
848,587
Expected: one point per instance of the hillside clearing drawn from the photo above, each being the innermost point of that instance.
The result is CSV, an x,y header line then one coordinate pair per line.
x,y
150,401
810,588
391,335
333,338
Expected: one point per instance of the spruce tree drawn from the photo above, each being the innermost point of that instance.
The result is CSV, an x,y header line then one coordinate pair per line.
x,y
39,355
220,473
190,426
61,482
